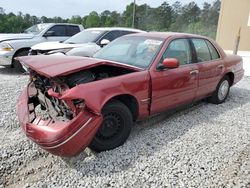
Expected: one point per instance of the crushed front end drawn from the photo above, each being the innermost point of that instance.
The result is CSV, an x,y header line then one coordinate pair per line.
x,y
62,126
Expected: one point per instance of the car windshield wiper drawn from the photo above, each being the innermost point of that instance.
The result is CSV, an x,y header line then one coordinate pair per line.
x,y
70,42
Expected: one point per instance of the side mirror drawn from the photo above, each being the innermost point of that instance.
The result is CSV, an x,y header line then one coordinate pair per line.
x,y
49,34
104,42
170,63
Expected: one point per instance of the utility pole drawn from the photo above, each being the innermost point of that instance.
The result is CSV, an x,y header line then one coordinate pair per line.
x,y
133,22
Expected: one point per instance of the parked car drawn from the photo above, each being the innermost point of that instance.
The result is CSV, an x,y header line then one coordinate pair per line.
x,y
15,45
85,43
94,101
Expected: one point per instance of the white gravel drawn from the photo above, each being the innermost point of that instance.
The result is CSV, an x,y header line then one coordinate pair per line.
x,y
204,145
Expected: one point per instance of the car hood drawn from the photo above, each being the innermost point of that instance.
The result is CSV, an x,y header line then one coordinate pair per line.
x,y
61,65
86,50
5,37
46,46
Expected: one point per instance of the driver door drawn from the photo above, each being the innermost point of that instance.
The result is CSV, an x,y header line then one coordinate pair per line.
x,y
174,87
59,33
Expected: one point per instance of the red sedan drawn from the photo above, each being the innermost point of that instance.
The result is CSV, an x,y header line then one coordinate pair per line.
x,y
74,102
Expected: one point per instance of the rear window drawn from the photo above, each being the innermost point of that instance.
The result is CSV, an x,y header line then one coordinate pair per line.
x,y
205,51
85,36
213,51
202,51
72,30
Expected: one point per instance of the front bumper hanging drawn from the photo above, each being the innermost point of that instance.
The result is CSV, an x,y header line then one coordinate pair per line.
x,y
57,137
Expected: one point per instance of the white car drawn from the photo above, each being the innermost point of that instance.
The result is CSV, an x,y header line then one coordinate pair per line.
x,y
15,45
85,43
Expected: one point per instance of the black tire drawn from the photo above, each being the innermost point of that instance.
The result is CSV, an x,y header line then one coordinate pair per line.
x,y
16,64
115,128
217,97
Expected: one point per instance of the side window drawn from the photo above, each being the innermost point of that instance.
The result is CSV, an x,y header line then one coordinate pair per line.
x,y
72,30
59,30
126,32
112,35
202,51
179,49
214,53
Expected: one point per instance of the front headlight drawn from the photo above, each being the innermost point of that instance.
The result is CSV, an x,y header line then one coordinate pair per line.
x,y
5,47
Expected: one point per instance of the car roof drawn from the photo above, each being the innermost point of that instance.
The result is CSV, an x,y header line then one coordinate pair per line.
x,y
165,35
58,24
116,28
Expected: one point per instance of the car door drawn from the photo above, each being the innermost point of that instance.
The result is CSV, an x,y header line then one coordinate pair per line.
x,y
210,66
60,33
72,30
173,87
111,35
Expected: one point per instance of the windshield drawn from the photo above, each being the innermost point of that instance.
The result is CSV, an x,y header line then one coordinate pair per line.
x,y
85,37
131,50
35,29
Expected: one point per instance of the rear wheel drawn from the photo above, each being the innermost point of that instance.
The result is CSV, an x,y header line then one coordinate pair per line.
x,y
16,64
222,91
115,128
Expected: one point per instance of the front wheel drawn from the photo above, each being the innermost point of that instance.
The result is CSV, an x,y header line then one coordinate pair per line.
x,y
16,64
222,91
115,128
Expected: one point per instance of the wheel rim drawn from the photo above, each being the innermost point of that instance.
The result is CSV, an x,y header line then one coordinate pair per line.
x,y
111,127
223,90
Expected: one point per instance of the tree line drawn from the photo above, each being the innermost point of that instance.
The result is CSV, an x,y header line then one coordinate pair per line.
x,y
188,18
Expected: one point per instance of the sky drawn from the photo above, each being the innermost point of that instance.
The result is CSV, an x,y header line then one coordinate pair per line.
x,y
68,8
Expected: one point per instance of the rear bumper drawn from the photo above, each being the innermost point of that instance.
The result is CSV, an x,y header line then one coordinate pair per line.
x,y
238,75
59,138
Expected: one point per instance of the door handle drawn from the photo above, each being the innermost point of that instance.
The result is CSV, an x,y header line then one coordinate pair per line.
x,y
221,66
194,72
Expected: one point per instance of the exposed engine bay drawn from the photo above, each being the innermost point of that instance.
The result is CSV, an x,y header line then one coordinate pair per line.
x,y
57,109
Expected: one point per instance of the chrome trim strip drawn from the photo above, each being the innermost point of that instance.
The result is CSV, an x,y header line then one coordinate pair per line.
x,y
146,100
52,147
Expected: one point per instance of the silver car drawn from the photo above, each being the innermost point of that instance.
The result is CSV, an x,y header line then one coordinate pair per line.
x,y
14,45
85,43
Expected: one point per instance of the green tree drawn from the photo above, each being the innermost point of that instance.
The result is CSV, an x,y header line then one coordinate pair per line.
x,y
93,20
176,17
128,15
2,11
75,20
84,19
165,15
103,17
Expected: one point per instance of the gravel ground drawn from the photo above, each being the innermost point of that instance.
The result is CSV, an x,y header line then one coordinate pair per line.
x,y
203,145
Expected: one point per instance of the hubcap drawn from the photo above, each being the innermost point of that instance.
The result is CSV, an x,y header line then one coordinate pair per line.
x,y
110,127
223,90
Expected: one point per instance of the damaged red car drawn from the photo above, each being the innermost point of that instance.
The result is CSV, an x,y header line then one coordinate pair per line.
x,y
71,103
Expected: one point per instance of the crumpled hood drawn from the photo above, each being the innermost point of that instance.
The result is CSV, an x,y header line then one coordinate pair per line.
x,y
47,46
61,65
18,36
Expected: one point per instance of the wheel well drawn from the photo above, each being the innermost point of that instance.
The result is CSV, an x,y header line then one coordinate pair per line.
x,y
231,77
18,51
130,101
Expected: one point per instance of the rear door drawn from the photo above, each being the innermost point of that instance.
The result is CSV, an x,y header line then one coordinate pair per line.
x,y
72,30
210,66
173,87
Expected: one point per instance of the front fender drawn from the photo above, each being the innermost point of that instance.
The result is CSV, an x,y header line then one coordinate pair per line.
x,y
97,94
